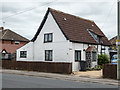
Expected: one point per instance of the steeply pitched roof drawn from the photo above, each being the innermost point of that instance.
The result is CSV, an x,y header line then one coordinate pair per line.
x,y
74,28
10,35
113,40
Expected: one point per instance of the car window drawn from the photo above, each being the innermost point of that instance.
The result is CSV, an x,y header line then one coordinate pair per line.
x,y
114,57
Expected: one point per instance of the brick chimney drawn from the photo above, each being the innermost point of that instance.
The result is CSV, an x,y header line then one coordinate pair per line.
x,y
1,28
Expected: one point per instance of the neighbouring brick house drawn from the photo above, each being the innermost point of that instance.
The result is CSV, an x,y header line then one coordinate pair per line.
x,y
113,48
10,41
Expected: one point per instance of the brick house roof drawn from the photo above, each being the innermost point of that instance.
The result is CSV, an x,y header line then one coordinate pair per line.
x,y
113,40
74,28
10,35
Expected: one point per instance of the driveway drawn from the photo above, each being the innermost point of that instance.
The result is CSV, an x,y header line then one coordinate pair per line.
x,y
90,74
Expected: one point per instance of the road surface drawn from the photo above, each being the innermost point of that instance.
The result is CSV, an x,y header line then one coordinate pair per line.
x,y
22,81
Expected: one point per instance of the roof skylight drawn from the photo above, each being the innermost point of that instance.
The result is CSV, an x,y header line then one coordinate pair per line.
x,y
65,19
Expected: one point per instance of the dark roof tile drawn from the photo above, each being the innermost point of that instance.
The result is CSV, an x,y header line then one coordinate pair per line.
x,y
10,35
113,40
74,28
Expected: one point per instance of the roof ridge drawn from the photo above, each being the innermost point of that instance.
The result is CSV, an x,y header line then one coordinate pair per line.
x,y
14,33
70,15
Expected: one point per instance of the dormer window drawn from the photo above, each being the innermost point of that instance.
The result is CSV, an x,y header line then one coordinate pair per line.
x,y
48,37
95,36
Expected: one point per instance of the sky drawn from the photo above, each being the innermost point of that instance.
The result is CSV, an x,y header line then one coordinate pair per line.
x,y
24,16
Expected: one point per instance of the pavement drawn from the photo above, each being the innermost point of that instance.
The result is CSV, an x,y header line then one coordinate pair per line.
x,y
61,76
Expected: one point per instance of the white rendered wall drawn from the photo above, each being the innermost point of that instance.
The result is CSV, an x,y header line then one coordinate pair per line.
x,y
29,48
82,47
60,45
78,46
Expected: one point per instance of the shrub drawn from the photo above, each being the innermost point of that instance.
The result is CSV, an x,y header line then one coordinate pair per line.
x,y
103,59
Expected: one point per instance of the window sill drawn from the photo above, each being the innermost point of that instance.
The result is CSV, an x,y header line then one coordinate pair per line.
x,y
48,60
77,61
48,42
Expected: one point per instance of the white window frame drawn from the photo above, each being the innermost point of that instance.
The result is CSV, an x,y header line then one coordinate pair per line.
x,y
17,42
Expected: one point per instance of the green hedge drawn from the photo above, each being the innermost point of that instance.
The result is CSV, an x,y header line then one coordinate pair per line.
x,y
103,59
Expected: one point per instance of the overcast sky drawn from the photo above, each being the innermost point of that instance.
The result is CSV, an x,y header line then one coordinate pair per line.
x,y
25,16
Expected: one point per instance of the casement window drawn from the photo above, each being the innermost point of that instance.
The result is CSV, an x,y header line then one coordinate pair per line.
x,y
23,54
94,56
77,55
48,37
17,42
48,55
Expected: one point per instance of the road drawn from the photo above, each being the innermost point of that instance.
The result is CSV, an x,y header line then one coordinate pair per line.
x,y
22,81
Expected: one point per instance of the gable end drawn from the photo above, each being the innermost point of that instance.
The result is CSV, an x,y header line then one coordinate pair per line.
x,y
42,24
59,26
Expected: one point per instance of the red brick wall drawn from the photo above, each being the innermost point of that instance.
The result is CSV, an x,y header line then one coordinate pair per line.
x,y
51,67
11,48
110,71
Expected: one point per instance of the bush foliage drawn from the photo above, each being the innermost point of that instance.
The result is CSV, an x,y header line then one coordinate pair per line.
x,y
103,59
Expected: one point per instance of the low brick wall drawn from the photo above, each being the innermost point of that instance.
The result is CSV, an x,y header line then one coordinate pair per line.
x,y
51,67
110,71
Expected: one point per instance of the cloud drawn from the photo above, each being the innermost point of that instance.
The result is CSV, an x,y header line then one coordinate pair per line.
x,y
28,22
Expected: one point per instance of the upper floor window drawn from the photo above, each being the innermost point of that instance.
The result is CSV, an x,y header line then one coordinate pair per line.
x,y
96,37
17,42
48,37
23,54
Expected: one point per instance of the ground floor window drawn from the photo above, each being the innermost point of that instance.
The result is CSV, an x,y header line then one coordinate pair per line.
x,y
48,55
77,55
94,56
5,56
23,54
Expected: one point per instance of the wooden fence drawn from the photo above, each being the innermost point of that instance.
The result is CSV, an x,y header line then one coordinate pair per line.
x,y
110,71
51,67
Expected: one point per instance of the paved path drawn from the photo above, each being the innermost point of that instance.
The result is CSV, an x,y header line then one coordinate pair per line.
x,y
62,77
22,81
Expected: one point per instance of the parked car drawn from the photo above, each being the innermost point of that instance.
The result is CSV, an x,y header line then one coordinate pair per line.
x,y
114,59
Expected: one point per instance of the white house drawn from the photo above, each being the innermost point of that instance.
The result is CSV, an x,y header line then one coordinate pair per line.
x,y
62,37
